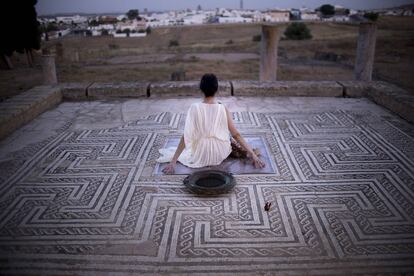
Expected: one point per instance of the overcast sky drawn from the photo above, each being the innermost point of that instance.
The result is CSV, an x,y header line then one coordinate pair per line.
x,y
101,6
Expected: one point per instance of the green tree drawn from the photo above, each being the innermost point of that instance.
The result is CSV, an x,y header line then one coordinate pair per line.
x,y
373,16
52,27
298,31
127,32
327,10
132,14
25,36
93,23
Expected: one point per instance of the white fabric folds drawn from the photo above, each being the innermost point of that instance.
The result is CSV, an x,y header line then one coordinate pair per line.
x,y
206,137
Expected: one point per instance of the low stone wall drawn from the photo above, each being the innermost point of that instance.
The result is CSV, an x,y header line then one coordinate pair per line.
x,y
117,90
100,91
383,93
287,88
24,107
185,88
21,109
75,91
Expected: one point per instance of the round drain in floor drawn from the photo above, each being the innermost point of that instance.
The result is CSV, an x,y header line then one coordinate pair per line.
x,y
210,182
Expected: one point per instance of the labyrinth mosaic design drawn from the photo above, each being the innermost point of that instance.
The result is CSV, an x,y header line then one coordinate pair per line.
x,y
89,201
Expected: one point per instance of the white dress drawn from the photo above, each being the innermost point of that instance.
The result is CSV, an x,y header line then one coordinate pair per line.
x,y
206,137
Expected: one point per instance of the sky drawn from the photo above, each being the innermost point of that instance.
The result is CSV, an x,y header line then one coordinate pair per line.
x,y
101,6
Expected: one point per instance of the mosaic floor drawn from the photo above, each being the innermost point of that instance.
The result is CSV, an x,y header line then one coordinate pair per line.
x,y
90,201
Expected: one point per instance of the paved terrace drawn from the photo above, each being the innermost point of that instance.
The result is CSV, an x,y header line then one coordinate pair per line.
x,y
79,194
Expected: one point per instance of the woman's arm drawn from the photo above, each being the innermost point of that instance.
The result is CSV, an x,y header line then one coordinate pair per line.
x,y
169,169
236,135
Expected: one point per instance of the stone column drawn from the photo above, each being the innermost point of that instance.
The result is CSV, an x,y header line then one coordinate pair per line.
x,y
49,69
75,56
268,52
365,55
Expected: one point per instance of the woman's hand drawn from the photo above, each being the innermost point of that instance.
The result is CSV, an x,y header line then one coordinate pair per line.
x,y
170,168
257,162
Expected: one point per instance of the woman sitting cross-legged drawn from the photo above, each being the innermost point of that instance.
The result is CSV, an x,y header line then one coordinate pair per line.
x,y
206,140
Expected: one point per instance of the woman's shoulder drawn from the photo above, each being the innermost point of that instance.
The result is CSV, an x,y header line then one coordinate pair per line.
x,y
194,105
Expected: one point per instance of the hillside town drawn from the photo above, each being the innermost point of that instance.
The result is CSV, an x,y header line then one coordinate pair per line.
x,y
138,24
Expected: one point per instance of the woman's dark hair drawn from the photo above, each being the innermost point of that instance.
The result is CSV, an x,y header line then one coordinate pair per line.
x,y
209,85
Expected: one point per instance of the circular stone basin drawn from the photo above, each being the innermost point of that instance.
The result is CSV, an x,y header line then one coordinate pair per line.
x,y
210,182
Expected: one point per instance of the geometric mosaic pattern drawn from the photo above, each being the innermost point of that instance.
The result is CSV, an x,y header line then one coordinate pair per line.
x,y
89,202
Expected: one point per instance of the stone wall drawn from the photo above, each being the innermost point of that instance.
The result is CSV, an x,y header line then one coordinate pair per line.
x,y
24,107
288,88
383,93
184,89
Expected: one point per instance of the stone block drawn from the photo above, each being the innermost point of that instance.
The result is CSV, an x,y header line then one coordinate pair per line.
x,y
74,90
185,89
393,98
24,107
117,90
287,88
356,89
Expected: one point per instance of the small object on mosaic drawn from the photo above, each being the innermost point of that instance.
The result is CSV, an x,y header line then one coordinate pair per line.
x,y
267,206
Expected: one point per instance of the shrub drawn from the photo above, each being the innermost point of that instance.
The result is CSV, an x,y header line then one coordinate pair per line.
x,y
194,59
113,46
141,31
148,30
178,75
298,31
228,42
173,43
373,16
104,32
257,38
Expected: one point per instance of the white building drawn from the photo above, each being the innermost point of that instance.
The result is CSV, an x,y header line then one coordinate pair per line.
x,y
131,25
408,13
119,35
69,19
102,27
195,19
309,16
138,34
337,18
57,34
258,16
234,19
278,16
121,17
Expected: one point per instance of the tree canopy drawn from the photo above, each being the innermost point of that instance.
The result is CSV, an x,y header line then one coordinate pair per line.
x,y
25,35
132,14
327,10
